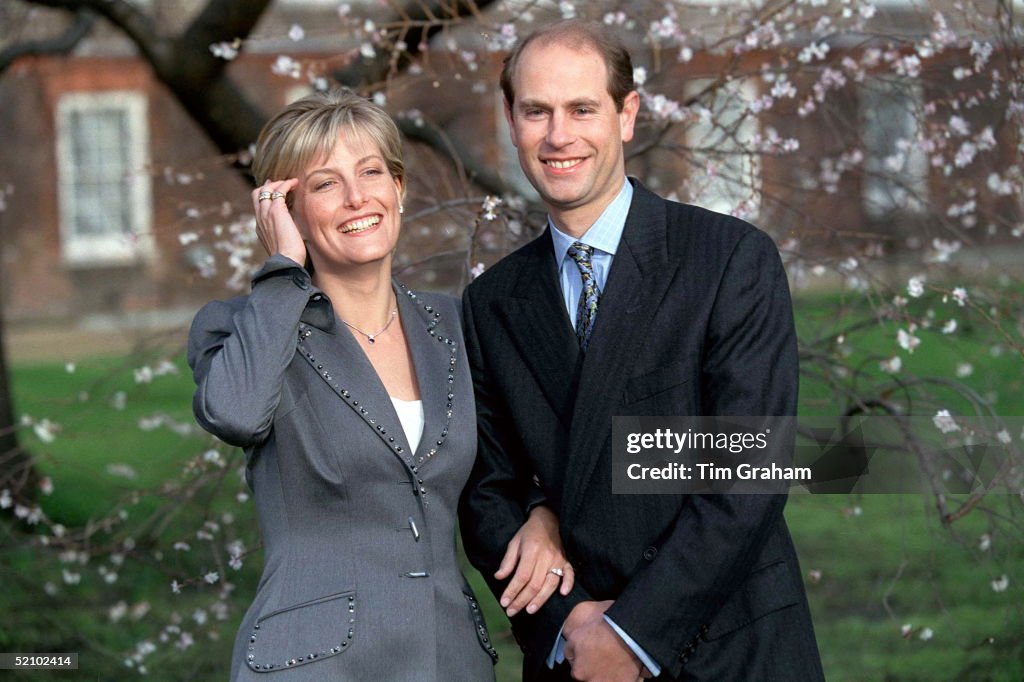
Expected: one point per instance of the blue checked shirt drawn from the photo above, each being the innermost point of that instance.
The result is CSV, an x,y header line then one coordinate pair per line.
x,y
604,236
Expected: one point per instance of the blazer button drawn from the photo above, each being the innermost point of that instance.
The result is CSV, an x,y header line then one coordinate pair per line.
x,y
650,553
301,282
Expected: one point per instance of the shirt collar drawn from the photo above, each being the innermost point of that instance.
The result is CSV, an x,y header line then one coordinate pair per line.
x,y
606,232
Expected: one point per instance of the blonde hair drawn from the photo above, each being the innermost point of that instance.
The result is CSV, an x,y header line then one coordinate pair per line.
x,y
308,129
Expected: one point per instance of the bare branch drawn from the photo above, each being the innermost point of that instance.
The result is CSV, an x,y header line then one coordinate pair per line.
x,y
476,172
417,25
62,44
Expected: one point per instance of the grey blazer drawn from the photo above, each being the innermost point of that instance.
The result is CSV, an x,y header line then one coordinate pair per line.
x,y
360,578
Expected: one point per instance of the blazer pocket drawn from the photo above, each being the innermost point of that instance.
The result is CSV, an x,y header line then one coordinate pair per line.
x,y
657,381
481,627
767,589
303,633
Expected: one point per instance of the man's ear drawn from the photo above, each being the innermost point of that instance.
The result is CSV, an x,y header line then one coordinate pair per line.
x,y
511,124
627,117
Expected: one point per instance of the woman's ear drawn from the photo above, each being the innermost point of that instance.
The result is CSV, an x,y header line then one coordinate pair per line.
x,y
400,193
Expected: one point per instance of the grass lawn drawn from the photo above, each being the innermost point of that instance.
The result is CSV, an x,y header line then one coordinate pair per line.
x,y
883,561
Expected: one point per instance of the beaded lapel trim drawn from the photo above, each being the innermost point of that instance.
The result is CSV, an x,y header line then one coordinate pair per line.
x,y
333,380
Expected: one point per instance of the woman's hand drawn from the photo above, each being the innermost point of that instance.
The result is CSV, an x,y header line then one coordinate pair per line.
x,y
533,552
274,223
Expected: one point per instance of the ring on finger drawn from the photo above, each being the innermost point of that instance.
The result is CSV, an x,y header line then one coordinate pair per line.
x,y
264,195
557,571
277,195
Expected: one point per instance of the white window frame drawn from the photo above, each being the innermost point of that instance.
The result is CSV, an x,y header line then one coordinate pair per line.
x,y
715,194
78,250
879,197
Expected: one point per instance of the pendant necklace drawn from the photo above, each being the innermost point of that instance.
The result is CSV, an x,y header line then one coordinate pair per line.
x,y
372,338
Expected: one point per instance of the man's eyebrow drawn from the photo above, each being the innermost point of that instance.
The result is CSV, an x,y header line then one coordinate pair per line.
x,y
584,102
532,104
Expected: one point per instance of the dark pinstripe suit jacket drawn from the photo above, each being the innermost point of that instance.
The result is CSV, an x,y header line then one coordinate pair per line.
x,y
695,319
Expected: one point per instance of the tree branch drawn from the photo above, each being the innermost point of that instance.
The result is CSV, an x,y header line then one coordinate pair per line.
x,y
417,26
62,44
476,172
135,24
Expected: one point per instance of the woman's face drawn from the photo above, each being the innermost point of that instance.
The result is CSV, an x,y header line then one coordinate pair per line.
x,y
346,206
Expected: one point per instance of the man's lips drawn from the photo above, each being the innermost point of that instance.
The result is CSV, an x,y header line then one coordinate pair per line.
x,y
562,164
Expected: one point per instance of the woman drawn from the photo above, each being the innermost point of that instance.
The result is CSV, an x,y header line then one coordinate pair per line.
x,y
353,401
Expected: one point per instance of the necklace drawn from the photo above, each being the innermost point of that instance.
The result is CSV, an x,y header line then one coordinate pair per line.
x,y
372,338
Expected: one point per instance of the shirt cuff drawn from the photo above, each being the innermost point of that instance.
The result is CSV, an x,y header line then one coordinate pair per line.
x,y
557,654
648,662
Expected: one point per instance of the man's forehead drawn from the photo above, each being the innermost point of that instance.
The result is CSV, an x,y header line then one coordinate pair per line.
x,y
537,64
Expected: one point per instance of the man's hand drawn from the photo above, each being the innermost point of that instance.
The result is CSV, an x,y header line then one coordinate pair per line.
x,y
592,648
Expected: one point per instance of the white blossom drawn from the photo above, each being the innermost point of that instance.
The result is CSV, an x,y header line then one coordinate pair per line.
x,y
949,327
907,341
892,365
906,629
915,286
944,422
212,577
926,634
960,296
477,270
296,33
286,66
964,369
639,75
813,52
226,51
45,430
1001,583
959,126
985,542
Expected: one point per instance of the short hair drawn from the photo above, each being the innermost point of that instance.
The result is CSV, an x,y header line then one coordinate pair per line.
x,y
578,34
308,128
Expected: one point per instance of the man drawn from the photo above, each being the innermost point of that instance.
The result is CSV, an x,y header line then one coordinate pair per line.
x,y
628,305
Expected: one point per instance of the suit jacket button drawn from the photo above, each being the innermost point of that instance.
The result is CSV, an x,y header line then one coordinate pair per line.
x,y
301,281
650,553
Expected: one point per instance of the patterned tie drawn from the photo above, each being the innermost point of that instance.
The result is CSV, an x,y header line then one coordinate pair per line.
x,y
586,309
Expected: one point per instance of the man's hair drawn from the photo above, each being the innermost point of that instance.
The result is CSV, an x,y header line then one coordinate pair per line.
x,y
308,129
578,34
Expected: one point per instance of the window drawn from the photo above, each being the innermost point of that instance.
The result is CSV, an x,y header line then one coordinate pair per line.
x,y
726,174
895,165
102,149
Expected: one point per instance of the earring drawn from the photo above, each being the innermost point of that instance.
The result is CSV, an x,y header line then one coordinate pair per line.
x,y
401,209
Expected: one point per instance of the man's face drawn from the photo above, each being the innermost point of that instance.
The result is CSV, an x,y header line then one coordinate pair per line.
x,y
566,129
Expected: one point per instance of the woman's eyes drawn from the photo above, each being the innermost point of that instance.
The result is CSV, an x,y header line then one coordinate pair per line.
x,y
367,172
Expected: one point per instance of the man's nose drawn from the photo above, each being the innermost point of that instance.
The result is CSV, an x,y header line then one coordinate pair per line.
x,y
560,131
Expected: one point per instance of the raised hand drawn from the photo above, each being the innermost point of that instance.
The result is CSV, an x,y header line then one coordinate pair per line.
x,y
534,551
274,223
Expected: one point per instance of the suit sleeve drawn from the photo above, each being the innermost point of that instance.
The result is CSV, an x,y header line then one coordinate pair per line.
x,y
239,353
497,497
749,368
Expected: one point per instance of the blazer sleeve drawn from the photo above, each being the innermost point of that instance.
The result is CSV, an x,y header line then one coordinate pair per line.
x,y
238,351
749,368
497,497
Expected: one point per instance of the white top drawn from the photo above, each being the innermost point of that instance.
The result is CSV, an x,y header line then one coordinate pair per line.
x,y
410,413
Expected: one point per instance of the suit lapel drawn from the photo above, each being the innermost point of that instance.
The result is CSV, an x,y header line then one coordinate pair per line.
x,y
637,282
536,320
341,364
432,363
